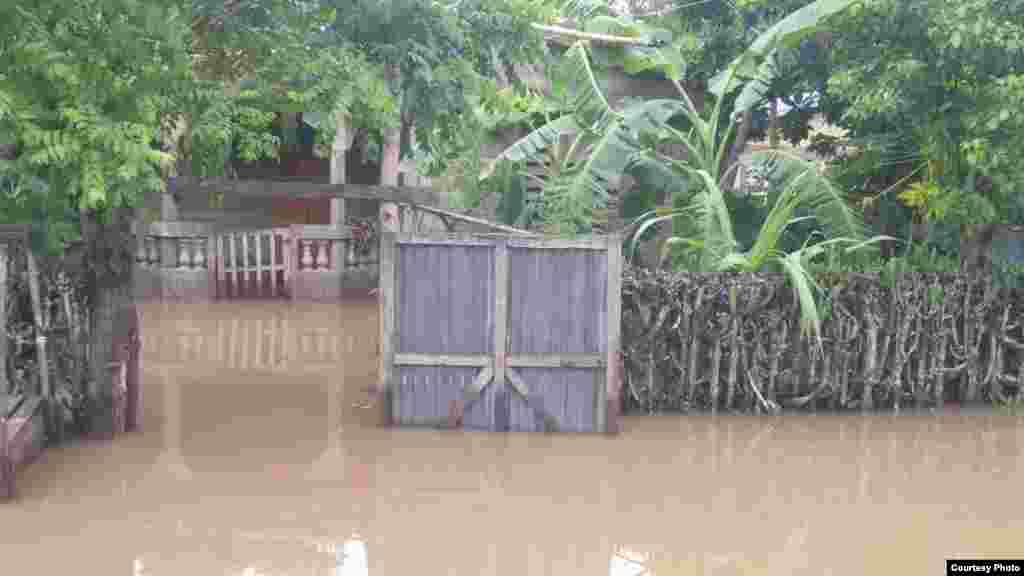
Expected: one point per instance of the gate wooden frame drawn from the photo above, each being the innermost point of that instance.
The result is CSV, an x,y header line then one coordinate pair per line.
x,y
499,368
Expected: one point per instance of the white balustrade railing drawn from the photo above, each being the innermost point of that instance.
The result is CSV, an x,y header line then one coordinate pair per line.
x,y
259,262
189,252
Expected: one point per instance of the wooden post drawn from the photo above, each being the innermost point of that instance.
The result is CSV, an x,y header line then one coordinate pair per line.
x,y
388,292
502,402
40,330
613,385
4,386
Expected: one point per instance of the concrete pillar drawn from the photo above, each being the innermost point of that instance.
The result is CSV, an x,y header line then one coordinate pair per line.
x,y
343,137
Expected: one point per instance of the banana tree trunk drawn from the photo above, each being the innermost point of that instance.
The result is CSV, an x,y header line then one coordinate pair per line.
x,y
733,179
773,123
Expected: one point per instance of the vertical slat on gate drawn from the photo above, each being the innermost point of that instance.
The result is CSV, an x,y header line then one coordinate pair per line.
x,y
609,420
273,264
259,264
502,405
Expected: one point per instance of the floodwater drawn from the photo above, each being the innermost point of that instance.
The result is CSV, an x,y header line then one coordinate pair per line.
x,y
258,457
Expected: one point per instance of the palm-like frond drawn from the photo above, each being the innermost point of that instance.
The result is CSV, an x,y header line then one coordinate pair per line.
x,y
605,144
533,146
804,288
583,10
755,68
814,191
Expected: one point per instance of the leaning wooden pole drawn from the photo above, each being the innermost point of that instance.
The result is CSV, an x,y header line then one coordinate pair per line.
x,y
45,389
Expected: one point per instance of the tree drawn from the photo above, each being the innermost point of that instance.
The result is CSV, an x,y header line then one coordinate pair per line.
x,y
433,58
82,92
90,95
945,78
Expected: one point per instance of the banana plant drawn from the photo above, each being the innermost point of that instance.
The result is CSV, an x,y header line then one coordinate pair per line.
x,y
602,141
588,148
708,242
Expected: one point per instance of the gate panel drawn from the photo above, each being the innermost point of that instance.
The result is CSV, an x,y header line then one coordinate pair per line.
x,y
444,335
558,337
513,333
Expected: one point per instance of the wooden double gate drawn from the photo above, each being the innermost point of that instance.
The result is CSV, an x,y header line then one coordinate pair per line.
x,y
194,261
501,333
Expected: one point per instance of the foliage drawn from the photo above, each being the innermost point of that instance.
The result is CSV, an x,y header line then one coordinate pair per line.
x,y
443,59
705,234
945,78
82,93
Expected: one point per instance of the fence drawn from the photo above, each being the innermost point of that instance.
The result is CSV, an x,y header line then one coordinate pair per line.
x,y
734,342
196,261
464,315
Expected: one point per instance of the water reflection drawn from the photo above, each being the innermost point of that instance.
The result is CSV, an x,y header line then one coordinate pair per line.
x,y
628,563
237,470
352,559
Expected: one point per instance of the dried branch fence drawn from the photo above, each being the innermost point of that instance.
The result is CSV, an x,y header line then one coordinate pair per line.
x,y
732,342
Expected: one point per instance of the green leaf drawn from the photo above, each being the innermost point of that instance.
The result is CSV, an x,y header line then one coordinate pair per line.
x,y
787,33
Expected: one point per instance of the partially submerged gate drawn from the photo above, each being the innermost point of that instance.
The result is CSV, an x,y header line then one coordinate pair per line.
x,y
501,333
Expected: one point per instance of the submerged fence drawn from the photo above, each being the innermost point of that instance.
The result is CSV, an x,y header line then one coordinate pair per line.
x,y
501,333
198,261
733,342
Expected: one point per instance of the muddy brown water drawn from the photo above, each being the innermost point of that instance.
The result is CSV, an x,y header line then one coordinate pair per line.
x,y
258,457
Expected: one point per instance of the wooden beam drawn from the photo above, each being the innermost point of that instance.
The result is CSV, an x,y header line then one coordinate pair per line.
x,y
296,188
470,395
557,361
557,32
455,360
472,220
321,232
14,232
580,243
489,238
550,423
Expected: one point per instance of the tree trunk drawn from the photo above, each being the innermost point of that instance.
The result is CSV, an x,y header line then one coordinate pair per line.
x,y
773,123
109,246
742,135
391,147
